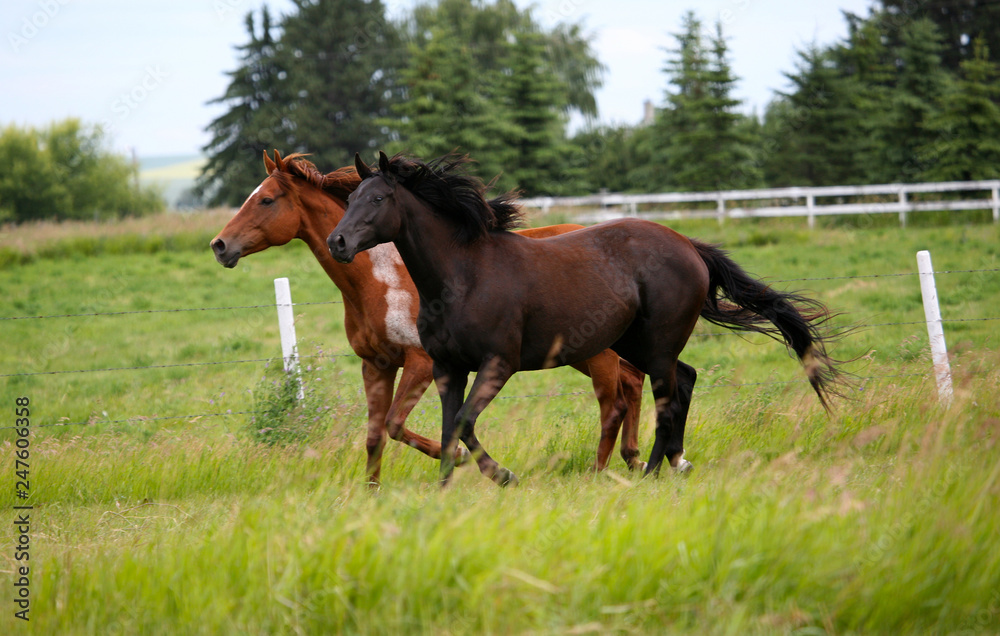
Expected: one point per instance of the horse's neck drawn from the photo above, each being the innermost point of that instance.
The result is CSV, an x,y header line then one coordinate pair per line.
x,y
427,247
354,280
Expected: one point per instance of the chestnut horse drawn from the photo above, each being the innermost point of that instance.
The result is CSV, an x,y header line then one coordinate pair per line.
x,y
295,200
632,285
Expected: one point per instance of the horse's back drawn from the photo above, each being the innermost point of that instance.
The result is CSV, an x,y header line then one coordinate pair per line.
x,y
628,242
598,279
548,230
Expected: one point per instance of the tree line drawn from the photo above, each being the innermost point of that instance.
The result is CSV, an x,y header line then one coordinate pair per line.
x,y
909,95
335,77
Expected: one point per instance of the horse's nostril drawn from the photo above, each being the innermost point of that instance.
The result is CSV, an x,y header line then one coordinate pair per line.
x,y
341,242
219,246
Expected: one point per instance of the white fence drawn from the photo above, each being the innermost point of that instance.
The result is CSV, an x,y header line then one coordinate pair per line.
x,y
894,198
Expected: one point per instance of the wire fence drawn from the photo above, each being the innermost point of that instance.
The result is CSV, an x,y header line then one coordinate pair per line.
x,y
228,413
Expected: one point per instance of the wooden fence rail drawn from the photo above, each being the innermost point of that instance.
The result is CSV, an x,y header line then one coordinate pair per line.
x,y
897,198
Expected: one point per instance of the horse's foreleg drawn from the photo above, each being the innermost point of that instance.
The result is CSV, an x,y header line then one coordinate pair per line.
x,y
416,377
490,378
451,388
378,394
672,389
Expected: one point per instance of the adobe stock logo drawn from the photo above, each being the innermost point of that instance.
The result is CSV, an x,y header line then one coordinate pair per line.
x,y
32,25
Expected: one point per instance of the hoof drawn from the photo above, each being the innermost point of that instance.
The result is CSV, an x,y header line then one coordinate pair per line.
x,y
683,467
504,478
462,456
640,466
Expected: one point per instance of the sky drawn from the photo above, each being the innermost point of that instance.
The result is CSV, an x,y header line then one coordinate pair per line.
x,y
146,70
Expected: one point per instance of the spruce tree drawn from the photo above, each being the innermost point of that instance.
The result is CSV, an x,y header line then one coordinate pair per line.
x,y
444,107
342,58
920,84
699,140
811,138
731,154
960,23
679,133
539,160
486,29
965,133
486,80
257,100
867,75
609,157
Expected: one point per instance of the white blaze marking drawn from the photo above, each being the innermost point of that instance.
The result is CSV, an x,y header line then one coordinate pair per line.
x,y
255,191
400,327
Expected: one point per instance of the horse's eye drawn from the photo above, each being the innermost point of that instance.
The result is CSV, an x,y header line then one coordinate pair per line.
x,y
267,201
377,199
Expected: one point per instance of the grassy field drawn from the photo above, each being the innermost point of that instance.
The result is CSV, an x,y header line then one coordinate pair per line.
x,y
163,514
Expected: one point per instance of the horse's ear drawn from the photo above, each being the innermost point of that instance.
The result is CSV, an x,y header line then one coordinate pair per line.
x,y
278,160
383,162
363,170
269,164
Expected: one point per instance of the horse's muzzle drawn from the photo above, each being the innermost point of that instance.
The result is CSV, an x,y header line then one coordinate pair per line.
x,y
338,248
226,257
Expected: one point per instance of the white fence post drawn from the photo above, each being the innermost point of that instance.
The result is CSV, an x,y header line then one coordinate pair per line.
x,y
286,324
935,329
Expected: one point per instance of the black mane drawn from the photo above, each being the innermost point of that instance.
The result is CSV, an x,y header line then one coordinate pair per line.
x,y
447,187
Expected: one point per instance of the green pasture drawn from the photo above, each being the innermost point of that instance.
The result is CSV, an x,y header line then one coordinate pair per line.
x,y
156,510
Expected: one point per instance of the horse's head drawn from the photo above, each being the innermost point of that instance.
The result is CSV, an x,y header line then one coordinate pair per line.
x,y
373,214
270,216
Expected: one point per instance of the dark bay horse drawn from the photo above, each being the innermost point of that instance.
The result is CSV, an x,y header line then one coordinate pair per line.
x,y
381,304
517,304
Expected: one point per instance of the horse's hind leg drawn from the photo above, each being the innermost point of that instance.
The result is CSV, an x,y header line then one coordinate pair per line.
x,y
632,380
672,389
604,374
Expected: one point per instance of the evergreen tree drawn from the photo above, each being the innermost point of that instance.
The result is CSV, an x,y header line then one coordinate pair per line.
x,y
676,128
811,132
921,81
965,132
960,23
699,140
731,154
342,58
866,66
609,158
258,100
485,29
444,107
484,79
539,160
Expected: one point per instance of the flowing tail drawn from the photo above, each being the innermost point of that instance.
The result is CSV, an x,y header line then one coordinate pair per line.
x,y
740,302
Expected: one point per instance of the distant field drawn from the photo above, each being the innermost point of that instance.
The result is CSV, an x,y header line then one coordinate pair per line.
x,y
175,175
162,515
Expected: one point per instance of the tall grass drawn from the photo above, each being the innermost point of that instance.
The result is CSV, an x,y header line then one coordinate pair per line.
x,y
816,526
879,519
